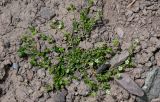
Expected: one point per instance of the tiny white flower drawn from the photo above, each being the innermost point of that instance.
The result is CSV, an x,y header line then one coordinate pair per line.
x,y
108,92
120,68
97,61
91,63
127,62
118,75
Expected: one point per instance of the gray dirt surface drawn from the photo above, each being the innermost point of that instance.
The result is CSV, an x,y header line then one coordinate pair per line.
x,y
140,21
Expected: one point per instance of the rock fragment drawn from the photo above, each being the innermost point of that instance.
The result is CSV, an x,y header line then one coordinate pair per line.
x,y
15,66
127,83
157,57
140,82
103,68
47,13
119,58
149,80
83,89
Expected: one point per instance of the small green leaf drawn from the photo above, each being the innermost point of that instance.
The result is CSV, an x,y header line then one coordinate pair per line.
x,y
97,61
67,71
33,30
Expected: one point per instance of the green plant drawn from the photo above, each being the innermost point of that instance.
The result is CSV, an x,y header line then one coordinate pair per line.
x,y
57,24
86,23
27,47
33,30
48,87
73,58
115,42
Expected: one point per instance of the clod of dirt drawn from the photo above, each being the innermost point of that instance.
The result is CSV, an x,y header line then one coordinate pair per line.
x,y
137,72
41,73
37,95
60,96
7,62
127,83
119,32
85,45
157,57
71,91
109,98
1,46
2,72
83,89
30,74
119,58
21,93
20,78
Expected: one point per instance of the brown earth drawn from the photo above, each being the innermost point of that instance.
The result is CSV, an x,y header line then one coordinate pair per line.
x,y
140,21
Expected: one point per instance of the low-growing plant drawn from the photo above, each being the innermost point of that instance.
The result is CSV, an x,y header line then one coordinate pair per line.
x,y
115,42
57,24
73,58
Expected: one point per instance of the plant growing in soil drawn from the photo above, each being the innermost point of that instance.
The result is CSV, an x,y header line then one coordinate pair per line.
x,y
72,59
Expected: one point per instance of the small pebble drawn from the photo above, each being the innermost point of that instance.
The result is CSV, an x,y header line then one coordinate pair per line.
x,y
20,78
103,68
30,91
7,44
41,73
15,66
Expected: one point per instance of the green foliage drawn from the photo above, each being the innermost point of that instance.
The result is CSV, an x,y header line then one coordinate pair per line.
x,y
115,42
48,88
92,84
33,30
27,47
86,23
75,25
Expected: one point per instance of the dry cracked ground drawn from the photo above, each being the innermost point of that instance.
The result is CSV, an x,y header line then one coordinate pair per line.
x,y
129,19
